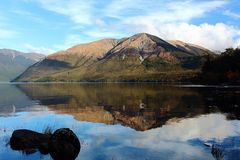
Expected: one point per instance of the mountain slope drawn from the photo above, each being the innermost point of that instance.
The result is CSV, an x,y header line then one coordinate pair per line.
x,y
90,51
195,49
142,57
79,55
13,63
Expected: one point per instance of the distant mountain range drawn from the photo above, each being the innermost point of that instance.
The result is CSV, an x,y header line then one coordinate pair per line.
x,y
13,63
142,57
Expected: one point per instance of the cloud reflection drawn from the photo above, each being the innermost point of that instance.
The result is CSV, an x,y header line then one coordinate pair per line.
x,y
100,141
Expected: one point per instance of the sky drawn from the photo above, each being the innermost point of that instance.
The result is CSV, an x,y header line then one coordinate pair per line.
x,y
46,26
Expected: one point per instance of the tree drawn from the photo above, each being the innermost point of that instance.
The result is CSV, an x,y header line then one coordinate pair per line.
x,y
224,68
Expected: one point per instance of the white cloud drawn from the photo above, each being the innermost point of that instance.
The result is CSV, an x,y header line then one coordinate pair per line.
x,y
168,19
163,11
237,44
188,129
182,131
89,12
215,37
170,141
77,11
174,137
43,50
232,14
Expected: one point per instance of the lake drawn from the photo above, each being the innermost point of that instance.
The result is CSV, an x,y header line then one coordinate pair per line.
x,y
126,121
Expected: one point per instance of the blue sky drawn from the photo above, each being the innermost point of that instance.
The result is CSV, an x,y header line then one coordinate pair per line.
x,y
49,25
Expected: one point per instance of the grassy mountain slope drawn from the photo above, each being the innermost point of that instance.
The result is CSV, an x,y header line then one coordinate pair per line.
x,y
142,57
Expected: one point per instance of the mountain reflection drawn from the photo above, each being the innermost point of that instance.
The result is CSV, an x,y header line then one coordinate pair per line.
x,y
139,106
13,100
162,122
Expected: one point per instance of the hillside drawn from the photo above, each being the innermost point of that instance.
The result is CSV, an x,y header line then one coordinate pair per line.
x,y
13,63
187,47
224,69
142,57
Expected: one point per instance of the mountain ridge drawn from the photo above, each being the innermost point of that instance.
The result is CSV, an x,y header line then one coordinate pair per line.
x,y
117,60
196,49
13,63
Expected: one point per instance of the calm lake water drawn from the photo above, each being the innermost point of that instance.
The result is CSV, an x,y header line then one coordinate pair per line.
x,y
126,121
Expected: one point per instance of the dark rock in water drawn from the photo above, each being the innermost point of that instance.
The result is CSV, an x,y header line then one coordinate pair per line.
x,y
62,144
44,148
27,140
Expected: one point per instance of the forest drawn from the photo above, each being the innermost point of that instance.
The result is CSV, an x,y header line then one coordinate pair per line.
x,y
222,69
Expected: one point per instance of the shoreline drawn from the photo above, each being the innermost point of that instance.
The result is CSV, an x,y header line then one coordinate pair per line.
x,y
172,84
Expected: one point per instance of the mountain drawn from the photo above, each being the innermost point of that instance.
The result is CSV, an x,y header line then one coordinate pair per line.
x,y
187,47
142,57
89,51
13,63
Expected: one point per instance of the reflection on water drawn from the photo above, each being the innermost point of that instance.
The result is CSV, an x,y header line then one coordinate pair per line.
x,y
126,121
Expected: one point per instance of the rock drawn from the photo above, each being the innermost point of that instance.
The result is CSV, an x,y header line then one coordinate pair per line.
x,y
64,144
27,140
44,148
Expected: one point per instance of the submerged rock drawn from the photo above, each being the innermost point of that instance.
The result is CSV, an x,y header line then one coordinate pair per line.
x,y
62,144
27,140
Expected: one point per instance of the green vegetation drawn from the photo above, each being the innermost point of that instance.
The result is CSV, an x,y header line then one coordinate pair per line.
x,y
224,69
128,70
